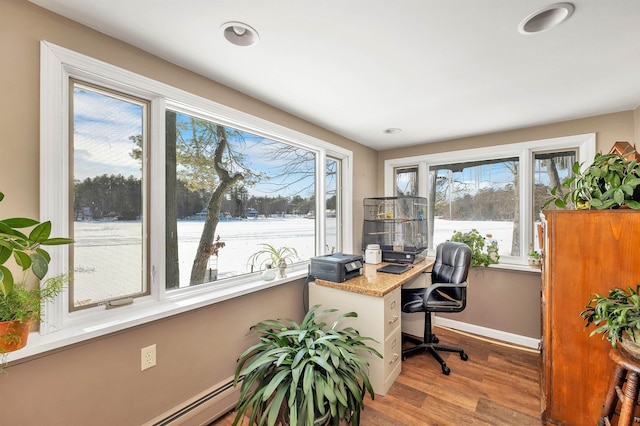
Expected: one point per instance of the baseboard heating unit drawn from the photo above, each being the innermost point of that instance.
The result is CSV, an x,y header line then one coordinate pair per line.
x,y
203,408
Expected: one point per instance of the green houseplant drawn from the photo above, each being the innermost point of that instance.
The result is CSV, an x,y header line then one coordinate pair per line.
x,y
611,181
19,304
480,256
616,315
269,255
300,372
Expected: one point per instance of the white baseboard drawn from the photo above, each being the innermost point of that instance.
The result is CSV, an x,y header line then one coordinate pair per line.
x,y
203,408
516,339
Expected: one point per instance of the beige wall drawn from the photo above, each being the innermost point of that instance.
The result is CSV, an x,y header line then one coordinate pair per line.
x,y
99,382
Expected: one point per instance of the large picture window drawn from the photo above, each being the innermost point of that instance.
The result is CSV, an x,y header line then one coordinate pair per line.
x,y
170,197
499,191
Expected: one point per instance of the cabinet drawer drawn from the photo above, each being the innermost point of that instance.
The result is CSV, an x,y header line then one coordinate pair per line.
x,y
392,352
391,311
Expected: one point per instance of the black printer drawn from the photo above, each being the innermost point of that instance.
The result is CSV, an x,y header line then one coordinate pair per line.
x,y
336,267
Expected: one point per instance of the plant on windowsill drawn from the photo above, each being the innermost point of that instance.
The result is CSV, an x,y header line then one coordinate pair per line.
x,y
20,304
476,242
271,257
299,373
612,181
616,316
534,258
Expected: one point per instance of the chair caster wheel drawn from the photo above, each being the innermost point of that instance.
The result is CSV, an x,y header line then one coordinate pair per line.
x,y
446,370
464,356
434,339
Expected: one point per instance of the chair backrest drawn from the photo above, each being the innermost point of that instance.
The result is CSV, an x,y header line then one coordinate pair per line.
x,y
451,266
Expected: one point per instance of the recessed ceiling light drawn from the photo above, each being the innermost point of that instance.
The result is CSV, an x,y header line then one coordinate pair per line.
x,y
392,130
239,34
546,18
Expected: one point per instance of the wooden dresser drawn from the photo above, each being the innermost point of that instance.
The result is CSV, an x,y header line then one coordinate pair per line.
x,y
375,297
585,252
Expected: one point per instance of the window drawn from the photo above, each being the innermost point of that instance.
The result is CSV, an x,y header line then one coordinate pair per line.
x,y
233,191
406,182
480,195
497,190
162,190
109,217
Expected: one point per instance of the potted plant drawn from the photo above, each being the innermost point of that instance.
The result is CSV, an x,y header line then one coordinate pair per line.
x,y
19,304
616,316
534,259
610,182
272,257
479,255
299,373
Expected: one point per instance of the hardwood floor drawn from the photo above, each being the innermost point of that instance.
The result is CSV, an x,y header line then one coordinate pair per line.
x,y
498,385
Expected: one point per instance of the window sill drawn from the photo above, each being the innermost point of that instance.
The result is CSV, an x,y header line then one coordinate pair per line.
x,y
150,311
516,267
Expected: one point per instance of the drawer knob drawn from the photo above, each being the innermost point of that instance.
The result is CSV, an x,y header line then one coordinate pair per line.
x,y
395,358
394,319
393,304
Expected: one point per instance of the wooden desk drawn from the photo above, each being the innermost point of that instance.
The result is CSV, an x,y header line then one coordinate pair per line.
x,y
375,297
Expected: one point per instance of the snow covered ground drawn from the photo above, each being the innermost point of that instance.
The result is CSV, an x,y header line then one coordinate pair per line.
x,y
100,245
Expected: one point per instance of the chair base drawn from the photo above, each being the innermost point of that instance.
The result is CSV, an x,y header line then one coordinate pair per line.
x,y
432,348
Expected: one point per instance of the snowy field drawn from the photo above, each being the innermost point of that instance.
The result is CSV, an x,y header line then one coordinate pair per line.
x,y
102,244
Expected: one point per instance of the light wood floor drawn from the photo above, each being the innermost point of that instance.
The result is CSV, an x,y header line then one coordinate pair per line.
x,y
497,386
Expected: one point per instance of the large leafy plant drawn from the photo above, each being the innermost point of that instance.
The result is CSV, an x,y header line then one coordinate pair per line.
x,y
299,372
614,315
609,182
480,255
28,253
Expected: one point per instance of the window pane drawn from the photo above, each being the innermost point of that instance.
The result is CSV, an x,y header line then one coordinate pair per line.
x,y
332,206
549,170
480,195
406,182
229,194
107,257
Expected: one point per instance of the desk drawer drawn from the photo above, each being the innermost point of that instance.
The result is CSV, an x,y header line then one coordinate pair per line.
x,y
391,311
392,352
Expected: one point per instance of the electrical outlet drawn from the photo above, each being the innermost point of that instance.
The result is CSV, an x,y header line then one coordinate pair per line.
x,y
148,357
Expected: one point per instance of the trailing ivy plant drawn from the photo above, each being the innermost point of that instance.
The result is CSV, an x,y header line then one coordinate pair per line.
x,y
476,242
611,181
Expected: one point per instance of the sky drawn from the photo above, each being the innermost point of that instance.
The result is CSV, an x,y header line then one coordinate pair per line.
x,y
104,124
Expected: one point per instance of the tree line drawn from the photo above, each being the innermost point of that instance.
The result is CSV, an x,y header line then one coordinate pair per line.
x,y
119,197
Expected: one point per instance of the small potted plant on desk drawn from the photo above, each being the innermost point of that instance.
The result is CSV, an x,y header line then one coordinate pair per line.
x,y
19,303
304,374
617,317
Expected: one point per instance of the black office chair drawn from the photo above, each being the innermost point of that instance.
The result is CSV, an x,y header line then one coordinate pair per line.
x,y
447,293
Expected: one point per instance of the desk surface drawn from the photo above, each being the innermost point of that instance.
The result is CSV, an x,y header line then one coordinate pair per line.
x,y
373,283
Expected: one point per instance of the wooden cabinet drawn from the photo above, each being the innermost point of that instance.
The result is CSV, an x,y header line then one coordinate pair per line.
x,y
378,318
585,252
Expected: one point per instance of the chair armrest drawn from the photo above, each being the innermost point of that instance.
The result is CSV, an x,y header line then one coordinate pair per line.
x,y
431,288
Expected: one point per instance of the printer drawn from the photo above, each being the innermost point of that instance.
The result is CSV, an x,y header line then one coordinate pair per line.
x,y
336,267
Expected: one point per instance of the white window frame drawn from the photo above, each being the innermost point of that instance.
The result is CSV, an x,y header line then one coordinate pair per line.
x,y
61,327
584,144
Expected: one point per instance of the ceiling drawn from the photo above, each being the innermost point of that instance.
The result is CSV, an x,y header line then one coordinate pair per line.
x,y
437,69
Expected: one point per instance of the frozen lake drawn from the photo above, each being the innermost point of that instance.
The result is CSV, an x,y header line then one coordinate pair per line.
x,y
100,245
